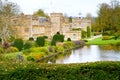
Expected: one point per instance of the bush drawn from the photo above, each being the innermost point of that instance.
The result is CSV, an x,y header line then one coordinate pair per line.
x,y
106,33
118,44
59,49
106,37
79,43
83,34
30,58
97,33
18,43
84,71
11,49
57,38
40,49
53,43
68,39
40,41
31,39
0,40
28,45
88,32
52,49
34,56
68,45
1,50
46,37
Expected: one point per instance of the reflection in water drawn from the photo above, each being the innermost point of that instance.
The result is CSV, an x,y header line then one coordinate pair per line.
x,y
90,54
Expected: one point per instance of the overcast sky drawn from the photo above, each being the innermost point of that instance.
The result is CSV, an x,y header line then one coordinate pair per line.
x,y
69,7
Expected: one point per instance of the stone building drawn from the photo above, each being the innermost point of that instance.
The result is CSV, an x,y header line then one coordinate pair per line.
x,y
56,20
32,26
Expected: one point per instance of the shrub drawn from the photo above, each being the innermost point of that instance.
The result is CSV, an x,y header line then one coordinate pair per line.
x,y
46,37
118,44
40,49
40,41
28,45
61,37
106,33
83,34
88,32
106,38
30,58
85,40
53,43
97,33
0,40
57,38
11,49
52,49
68,39
1,50
68,45
31,39
59,49
11,39
79,43
44,50
34,56
18,43
84,71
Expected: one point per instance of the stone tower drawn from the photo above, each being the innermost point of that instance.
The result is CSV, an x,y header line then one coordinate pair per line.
x,y
56,20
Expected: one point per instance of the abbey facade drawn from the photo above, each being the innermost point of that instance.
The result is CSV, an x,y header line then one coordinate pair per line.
x,y
32,26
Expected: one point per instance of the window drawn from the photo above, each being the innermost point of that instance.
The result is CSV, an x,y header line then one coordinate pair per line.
x,y
74,36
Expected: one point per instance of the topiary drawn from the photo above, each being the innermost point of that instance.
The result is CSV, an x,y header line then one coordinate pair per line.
x,y
68,39
88,32
18,43
53,43
31,39
40,41
83,34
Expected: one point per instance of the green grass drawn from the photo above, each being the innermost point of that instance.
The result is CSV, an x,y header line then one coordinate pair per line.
x,y
99,41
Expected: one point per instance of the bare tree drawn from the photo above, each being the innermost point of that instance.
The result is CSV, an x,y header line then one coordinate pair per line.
x,y
7,11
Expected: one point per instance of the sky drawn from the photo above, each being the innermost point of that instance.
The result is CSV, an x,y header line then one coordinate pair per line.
x,y
67,7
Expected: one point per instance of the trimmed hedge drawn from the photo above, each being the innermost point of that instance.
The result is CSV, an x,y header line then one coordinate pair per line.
x,y
18,43
40,41
84,71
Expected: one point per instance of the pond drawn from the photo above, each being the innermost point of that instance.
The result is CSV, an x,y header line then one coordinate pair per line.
x,y
90,53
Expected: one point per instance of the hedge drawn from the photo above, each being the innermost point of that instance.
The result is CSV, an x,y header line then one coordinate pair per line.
x,y
40,41
18,43
85,71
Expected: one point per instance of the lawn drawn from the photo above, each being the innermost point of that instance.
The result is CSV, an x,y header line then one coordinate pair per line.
x,y
99,41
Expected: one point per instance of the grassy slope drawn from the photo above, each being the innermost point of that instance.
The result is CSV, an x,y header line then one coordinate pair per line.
x,y
99,41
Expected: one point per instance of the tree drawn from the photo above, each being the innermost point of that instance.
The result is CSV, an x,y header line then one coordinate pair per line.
x,y
40,12
108,17
83,34
88,32
7,11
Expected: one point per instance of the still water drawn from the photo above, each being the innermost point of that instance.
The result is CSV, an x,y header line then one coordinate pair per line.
x,y
91,53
